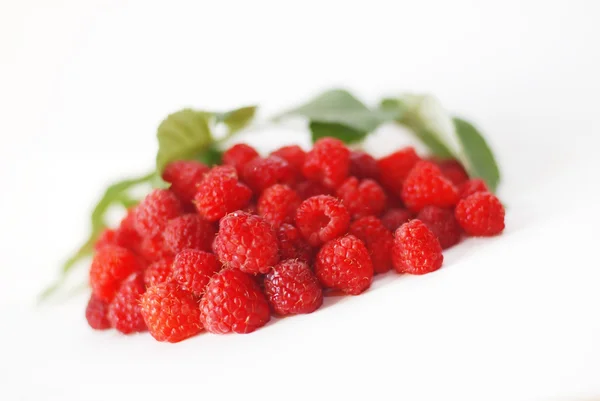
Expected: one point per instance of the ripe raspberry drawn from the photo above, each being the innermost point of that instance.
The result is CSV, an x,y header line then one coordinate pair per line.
x,y
480,215
238,155
328,162
126,235
246,242
362,198
472,186
124,311
292,245
453,171
111,265
363,165
106,237
295,157
344,264
96,312
416,249
321,219
220,193
394,218
442,223
426,186
292,288
308,189
189,231
394,168
153,213
158,272
259,174
233,302
192,269
378,240
184,177
171,313
152,249
278,204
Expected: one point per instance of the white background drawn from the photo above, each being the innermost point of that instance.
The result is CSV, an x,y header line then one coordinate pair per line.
x,y
83,85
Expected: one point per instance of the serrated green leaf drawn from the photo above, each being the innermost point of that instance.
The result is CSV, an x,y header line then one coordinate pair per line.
x,y
183,135
237,119
476,154
346,134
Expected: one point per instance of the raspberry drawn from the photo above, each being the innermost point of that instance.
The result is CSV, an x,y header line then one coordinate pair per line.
x,y
416,249
453,171
126,235
278,204
238,155
193,269
184,177
425,186
153,249
344,264
170,313
328,162
378,240
292,245
394,218
158,272
252,208
295,157
472,186
442,223
480,215
308,189
189,231
394,168
106,237
259,174
96,312
233,302
363,165
111,265
153,213
220,193
292,288
246,242
124,311
362,198
321,219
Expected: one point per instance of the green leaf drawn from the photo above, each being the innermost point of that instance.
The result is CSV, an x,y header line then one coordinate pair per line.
x,y
237,119
476,154
183,135
346,134
341,107
210,156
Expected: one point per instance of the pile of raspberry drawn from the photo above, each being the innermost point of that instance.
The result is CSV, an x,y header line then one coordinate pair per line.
x,y
226,247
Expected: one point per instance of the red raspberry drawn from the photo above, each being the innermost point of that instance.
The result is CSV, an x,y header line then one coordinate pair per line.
x,y
363,165
362,198
238,155
158,272
259,174
294,155
189,231
106,237
308,189
124,311
126,235
152,249
426,186
321,219
193,269
220,193
328,162
416,249
292,288
111,265
278,204
96,312
394,168
378,240
480,215
171,313
394,218
184,177
472,186
292,245
233,302
153,213
246,242
442,223
344,264
454,171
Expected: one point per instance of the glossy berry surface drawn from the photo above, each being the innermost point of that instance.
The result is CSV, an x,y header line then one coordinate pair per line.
x,y
292,288
416,249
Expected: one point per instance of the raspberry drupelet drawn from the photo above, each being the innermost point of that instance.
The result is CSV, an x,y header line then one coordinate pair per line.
x,y
153,213
261,173
472,186
278,204
189,231
328,162
442,223
96,313
321,219
238,155
363,165
124,311
394,168
295,157
416,249
394,218
362,198
184,177
292,245
158,272
110,266
426,186
378,240
292,288
192,269
220,193
480,215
